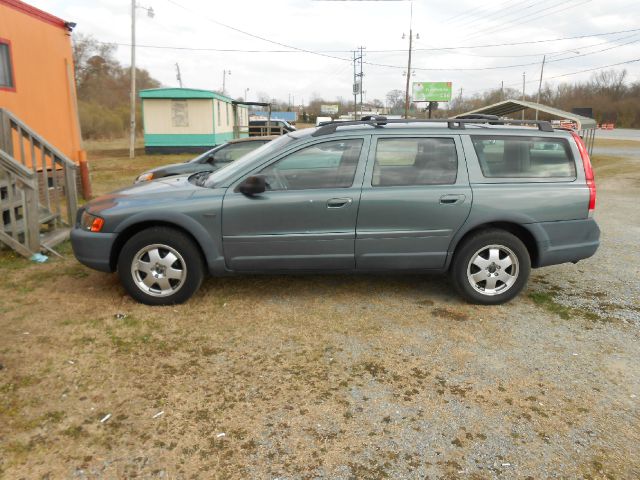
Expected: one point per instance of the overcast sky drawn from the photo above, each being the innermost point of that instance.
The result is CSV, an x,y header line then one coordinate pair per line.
x,y
334,28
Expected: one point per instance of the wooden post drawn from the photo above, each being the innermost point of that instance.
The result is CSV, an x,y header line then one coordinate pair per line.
x,y
72,196
236,126
32,222
6,138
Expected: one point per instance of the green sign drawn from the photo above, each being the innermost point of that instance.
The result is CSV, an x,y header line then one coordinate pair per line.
x,y
431,91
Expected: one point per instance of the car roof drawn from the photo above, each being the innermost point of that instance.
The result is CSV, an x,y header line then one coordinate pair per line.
x,y
254,139
430,127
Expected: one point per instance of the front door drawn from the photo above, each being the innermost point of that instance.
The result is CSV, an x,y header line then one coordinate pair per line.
x,y
306,218
415,196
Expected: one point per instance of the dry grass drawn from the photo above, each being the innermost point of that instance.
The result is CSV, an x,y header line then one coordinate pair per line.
x,y
361,377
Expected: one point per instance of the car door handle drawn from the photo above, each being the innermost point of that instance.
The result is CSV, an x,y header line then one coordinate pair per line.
x,y
339,202
452,199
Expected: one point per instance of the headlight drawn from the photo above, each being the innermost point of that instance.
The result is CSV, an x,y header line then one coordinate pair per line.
x,y
145,177
91,223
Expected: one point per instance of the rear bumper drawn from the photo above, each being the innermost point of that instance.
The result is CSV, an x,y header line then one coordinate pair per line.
x,y
93,249
566,241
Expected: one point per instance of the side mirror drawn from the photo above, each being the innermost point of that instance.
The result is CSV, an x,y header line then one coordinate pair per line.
x,y
253,185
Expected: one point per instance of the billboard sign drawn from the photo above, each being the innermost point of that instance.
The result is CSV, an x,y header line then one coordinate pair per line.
x,y
431,91
329,109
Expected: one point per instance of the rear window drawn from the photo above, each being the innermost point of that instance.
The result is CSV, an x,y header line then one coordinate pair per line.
x,y
525,157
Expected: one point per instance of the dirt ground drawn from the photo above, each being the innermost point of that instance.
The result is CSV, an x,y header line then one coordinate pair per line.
x,y
337,377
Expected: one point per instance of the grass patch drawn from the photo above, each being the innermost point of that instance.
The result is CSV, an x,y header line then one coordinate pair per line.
x,y
546,301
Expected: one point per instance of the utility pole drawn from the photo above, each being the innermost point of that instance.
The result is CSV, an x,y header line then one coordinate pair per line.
x,y
406,93
355,87
178,76
524,76
246,94
224,81
132,118
502,90
132,99
544,58
361,80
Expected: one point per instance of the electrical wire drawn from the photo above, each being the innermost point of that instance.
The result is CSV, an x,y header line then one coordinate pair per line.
x,y
480,34
430,49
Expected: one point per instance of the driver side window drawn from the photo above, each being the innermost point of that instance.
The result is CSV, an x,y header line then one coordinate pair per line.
x,y
323,165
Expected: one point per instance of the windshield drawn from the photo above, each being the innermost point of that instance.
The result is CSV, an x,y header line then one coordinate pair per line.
x,y
220,176
206,154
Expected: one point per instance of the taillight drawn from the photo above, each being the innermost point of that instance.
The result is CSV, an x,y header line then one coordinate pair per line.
x,y
588,171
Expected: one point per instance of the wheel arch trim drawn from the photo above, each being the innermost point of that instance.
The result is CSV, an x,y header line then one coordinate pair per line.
x,y
531,234
184,223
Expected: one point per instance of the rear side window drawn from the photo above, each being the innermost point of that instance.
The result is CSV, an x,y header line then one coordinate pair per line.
x,y
525,157
415,161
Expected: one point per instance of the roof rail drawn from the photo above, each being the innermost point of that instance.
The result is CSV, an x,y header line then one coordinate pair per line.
x,y
327,128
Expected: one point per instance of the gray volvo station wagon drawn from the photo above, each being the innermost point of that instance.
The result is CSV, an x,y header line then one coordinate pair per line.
x,y
482,201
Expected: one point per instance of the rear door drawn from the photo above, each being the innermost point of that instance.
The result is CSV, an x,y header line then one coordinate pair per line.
x,y
415,196
306,219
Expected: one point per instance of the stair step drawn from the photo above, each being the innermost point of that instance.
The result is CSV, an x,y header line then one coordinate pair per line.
x,y
55,237
45,217
5,206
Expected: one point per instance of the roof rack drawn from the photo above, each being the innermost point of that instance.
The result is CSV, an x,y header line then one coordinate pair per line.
x,y
327,128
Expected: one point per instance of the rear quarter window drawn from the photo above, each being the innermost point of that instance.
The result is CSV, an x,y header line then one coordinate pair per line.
x,y
524,157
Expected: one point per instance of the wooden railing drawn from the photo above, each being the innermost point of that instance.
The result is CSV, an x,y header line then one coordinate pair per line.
x,y
262,131
37,185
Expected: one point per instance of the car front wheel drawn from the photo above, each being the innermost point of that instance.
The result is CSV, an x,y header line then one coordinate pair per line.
x,y
160,266
491,267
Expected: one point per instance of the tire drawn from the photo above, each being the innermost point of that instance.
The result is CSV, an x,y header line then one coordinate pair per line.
x,y
499,255
160,266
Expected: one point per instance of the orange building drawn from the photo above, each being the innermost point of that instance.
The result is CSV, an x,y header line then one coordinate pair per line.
x,y
37,80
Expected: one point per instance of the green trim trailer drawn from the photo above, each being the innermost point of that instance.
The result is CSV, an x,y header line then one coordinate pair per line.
x,y
189,120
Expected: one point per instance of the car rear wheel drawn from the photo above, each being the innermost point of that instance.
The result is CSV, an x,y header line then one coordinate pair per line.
x,y
490,267
160,266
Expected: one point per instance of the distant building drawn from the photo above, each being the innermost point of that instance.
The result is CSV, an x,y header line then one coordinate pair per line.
x,y
37,82
189,120
290,117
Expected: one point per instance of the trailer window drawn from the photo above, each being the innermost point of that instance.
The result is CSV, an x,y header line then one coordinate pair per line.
x,y
6,67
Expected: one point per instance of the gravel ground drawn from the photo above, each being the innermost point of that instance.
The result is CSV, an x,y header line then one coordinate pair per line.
x,y
336,377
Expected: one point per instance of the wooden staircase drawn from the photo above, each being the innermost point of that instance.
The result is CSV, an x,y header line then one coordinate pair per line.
x,y
38,191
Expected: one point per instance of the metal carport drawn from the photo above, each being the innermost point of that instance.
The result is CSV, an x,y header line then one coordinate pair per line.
x,y
586,126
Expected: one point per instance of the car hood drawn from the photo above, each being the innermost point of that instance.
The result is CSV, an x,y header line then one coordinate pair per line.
x,y
182,168
163,190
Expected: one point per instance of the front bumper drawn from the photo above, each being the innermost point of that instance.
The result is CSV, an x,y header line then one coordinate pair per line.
x,y
93,249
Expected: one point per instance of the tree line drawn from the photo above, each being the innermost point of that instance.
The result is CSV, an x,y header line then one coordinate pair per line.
x,y
103,89
612,98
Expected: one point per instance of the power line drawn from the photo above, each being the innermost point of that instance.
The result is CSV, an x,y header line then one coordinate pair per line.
x,y
504,13
530,19
471,69
503,67
473,11
264,39
430,49
594,69
540,54
602,67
